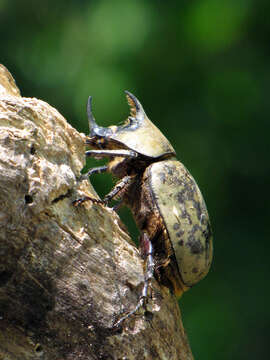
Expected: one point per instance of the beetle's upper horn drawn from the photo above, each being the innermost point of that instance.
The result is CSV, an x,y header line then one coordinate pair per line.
x,y
92,123
136,109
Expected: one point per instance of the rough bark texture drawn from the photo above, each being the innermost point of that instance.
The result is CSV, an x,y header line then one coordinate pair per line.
x,y
66,272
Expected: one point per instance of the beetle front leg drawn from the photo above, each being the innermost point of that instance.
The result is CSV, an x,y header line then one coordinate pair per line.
x,y
98,154
147,249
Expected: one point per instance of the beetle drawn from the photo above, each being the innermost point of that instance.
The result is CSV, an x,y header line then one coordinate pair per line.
x,y
168,207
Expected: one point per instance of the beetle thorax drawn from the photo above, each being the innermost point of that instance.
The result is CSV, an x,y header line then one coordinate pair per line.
x,y
121,167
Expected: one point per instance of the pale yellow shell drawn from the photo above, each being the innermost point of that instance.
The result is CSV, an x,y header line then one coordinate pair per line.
x,y
183,210
145,139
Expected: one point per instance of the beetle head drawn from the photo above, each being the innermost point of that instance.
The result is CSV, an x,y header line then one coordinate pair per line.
x,y
138,133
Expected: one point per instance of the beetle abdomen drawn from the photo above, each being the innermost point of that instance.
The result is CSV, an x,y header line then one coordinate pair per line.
x,y
185,216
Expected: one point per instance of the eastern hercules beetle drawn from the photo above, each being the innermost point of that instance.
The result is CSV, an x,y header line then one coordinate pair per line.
x,y
168,207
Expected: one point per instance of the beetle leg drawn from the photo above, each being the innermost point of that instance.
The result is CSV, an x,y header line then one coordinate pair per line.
x,y
147,252
118,187
111,153
147,247
150,265
97,170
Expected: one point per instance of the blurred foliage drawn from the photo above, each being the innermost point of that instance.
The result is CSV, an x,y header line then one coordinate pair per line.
x,y
201,70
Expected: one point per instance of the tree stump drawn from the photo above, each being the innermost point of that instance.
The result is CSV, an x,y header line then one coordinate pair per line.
x,y
67,273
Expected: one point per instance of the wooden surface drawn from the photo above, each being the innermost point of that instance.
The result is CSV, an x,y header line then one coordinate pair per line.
x,y
66,272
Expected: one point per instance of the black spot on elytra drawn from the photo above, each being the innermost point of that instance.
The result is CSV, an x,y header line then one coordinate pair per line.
x,y
198,208
180,242
195,245
176,226
186,215
187,193
177,181
195,228
182,197
180,233
162,177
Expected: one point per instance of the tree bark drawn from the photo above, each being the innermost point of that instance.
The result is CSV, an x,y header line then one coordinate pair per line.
x,y
67,273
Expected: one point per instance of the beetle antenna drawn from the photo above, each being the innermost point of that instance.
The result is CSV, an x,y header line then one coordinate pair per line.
x,y
136,108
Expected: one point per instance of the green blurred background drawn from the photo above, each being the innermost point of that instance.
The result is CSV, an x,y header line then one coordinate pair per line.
x,y
202,72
